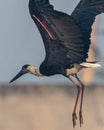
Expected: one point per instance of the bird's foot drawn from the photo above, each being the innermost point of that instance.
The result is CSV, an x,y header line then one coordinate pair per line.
x,y
74,119
80,119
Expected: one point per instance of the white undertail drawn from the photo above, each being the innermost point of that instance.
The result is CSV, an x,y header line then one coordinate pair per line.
x,y
90,65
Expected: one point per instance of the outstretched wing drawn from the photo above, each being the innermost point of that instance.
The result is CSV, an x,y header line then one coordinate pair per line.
x,y
61,36
85,14
66,34
65,37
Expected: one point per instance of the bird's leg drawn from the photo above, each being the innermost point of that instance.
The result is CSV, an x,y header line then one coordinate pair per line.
x,y
74,116
80,111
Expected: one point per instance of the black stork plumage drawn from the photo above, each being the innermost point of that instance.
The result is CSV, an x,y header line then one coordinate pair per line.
x,y
66,39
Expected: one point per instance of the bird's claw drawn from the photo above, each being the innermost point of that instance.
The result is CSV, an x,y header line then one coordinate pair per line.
x,y
74,118
80,119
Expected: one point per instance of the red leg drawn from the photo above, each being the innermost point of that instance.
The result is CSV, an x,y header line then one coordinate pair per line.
x,y
74,116
80,111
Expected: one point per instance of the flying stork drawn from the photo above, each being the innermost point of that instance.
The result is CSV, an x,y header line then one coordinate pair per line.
x,y
67,40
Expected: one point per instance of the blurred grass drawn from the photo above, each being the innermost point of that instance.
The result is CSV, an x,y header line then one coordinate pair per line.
x,y
47,107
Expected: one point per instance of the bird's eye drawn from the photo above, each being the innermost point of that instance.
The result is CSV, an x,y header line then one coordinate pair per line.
x,y
71,65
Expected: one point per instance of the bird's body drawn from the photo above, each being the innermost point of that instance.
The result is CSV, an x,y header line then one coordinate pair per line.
x,y
60,46
65,44
66,39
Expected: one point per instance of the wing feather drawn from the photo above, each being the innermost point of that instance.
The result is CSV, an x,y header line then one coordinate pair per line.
x,y
84,14
66,32
70,34
67,41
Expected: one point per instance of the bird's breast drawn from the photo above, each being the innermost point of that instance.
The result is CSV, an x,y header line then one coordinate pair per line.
x,y
49,70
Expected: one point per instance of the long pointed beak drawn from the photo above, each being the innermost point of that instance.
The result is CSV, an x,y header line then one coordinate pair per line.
x,y
22,72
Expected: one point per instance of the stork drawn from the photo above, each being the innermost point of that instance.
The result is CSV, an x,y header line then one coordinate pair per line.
x,y
67,40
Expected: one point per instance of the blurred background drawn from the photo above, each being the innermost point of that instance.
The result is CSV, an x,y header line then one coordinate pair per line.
x,y
34,103
49,107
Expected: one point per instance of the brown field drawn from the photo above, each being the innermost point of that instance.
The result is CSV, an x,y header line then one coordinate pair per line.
x,y
29,107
